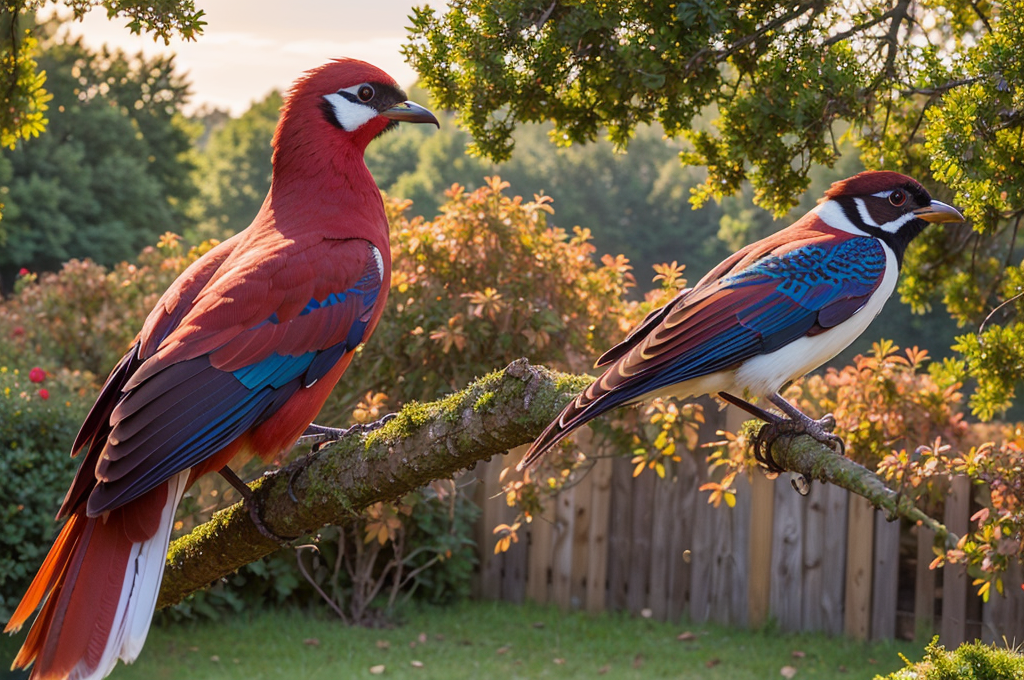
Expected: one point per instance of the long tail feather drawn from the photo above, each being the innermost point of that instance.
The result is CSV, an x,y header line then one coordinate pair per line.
x,y
98,586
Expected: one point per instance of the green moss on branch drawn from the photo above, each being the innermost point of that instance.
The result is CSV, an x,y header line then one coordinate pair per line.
x,y
428,441
424,442
815,461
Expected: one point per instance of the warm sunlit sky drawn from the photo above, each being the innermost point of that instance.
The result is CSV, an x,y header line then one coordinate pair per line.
x,y
250,47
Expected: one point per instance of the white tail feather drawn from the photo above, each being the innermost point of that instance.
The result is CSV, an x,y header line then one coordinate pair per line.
x,y
139,593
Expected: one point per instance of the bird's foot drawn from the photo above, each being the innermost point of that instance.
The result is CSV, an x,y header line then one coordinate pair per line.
x,y
766,437
320,436
820,429
252,505
796,423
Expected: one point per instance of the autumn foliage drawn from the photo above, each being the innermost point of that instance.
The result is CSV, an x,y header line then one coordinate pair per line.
x,y
486,281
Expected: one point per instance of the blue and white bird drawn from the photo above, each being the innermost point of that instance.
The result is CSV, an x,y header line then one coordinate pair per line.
x,y
771,312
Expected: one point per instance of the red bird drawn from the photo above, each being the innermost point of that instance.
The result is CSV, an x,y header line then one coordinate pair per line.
x,y
238,356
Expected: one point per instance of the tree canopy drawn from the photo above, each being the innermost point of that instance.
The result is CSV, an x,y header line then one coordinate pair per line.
x,y
234,170
24,99
930,89
113,171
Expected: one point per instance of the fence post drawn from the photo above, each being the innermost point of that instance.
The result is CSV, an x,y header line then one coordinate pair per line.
x,y
661,531
541,539
762,519
561,554
582,510
681,538
859,561
640,532
597,557
953,629
1003,615
884,583
493,511
619,526
787,555
924,585
824,558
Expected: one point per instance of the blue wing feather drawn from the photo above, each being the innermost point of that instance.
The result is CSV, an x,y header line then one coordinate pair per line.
x,y
222,404
799,286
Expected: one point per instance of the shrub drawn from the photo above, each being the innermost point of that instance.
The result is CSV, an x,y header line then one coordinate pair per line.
x,y
485,282
971,661
85,317
38,423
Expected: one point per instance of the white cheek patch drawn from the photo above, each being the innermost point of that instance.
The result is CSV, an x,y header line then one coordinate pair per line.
x,y
831,213
350,115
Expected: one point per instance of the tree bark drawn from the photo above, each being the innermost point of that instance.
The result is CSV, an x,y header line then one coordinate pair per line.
x,y
431,441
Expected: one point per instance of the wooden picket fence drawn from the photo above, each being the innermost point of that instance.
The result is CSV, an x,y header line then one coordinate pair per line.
x,y
654,547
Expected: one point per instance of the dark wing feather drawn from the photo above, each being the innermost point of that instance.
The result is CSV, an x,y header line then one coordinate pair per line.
x,y
637,334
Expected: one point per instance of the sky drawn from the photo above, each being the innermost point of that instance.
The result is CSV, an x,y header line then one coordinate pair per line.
x,y
250,47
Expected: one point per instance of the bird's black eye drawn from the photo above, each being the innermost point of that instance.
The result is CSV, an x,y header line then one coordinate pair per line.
x,y
897,198
365,93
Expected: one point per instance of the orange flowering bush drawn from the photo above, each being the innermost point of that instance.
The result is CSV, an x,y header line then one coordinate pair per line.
x,y
483,283
902,416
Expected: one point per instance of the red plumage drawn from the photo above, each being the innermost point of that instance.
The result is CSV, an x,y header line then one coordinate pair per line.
x,y
871,181
300,287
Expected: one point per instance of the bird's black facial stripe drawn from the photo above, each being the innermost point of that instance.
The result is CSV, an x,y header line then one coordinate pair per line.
x,y
327,109
879,211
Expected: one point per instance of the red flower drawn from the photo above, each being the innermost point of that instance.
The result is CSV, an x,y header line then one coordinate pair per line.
x,y
44,393
37,375
18,331
23,272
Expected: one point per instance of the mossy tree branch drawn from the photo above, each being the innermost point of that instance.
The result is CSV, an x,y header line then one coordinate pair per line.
x,y
431,441
815,461
424,442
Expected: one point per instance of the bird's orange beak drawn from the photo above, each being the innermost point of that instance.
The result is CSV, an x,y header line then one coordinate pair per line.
x,y
939,212
410,112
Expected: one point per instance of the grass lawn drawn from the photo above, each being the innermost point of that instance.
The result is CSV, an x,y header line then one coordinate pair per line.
x,y
493,640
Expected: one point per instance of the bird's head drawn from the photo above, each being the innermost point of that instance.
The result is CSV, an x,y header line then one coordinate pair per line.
x,y
890,206
344,104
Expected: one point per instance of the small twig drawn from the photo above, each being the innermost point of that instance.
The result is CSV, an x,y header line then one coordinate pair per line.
x,y
981,15
981,328
316,586
544,17
1013,240
839,37
940,89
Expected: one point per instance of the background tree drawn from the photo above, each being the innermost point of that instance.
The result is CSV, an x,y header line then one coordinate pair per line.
x,y
931,89
112,174
23,95
233,169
